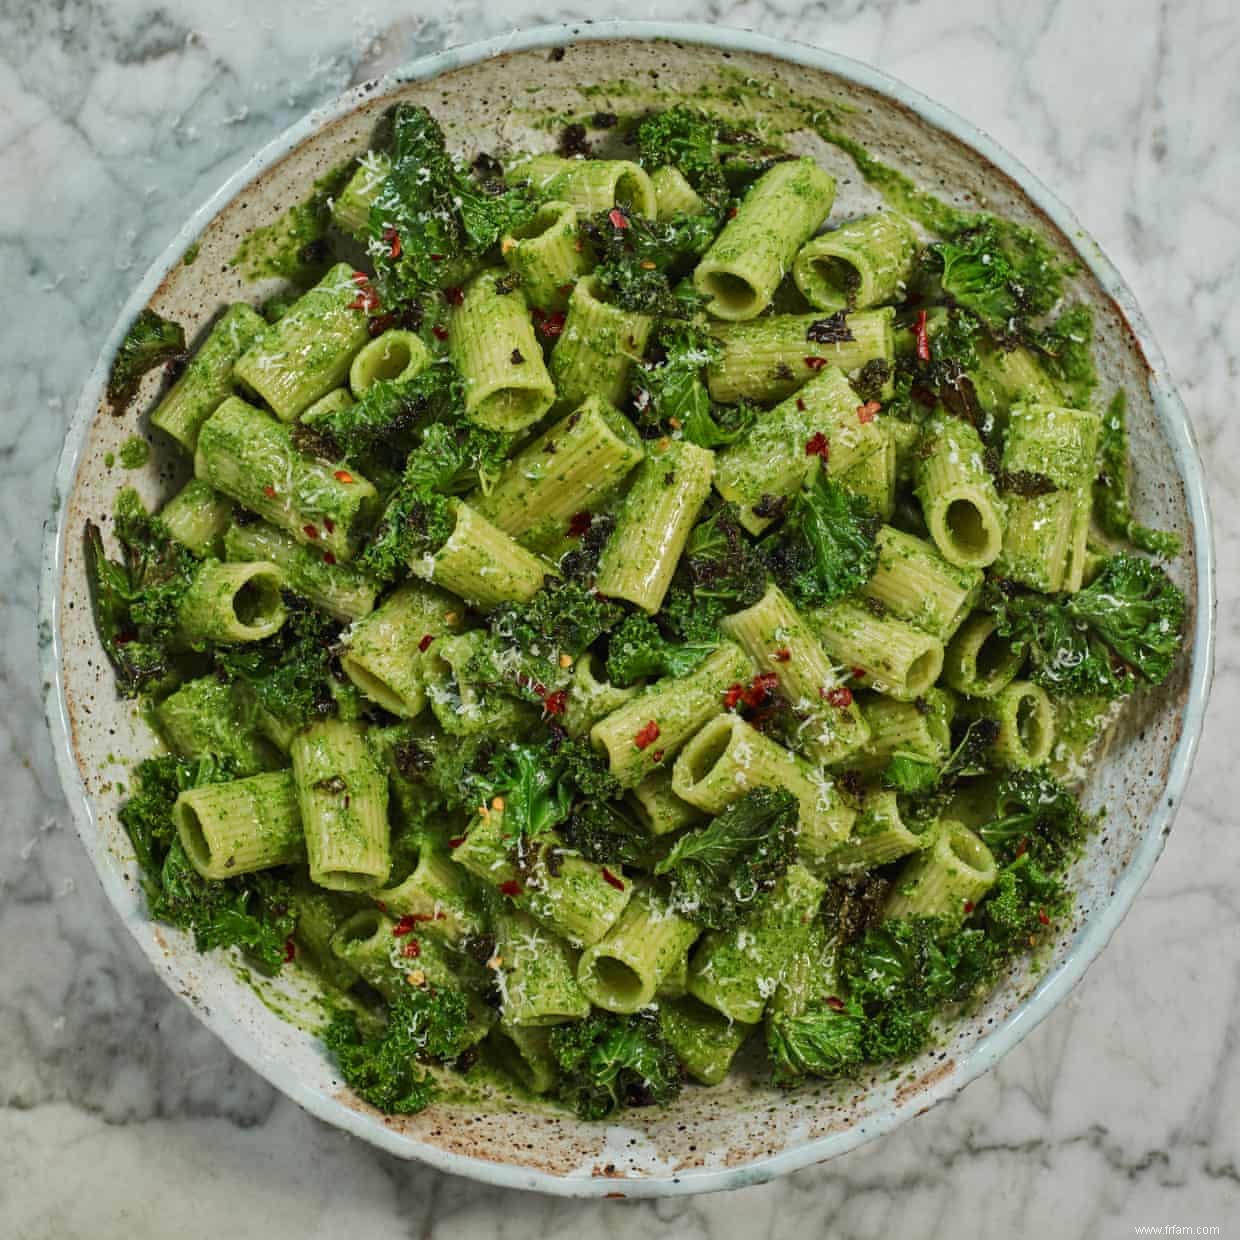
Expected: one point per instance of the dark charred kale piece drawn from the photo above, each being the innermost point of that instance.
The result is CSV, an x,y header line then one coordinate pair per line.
x,y
1111,505
723,566
150,341
608,1062
446,219
825,549
137,600
638,650
604,832
382,1066
386,417
251,912
639,259
1065,349
721,872
715,158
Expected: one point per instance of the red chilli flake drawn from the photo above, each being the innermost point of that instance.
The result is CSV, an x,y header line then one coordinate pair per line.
x,y
269,492
381,906
732,695
919,330
328,558
329,525
647,735
612,879
761,685
439,332
510,887
392,237
310,532
835,1003
367,300
815,363
818,445
1043,918
732,213
857,672
456,841
840,696
550,325
800,405
404,926
427,638
343,475
782,655
455,294
868,411
1021,848
412,949
618,218
290,951
969,906
579,523
555,703
360,277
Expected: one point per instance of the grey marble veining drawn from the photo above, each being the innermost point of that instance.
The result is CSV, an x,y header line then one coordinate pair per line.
x,y
121,1117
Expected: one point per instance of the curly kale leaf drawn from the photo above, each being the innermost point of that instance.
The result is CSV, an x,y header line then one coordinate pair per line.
x,y
1065,349
289,674
720,872
251,913
444,218
608,1062
1037,815
1133,606
150,341
382,1067
420,514
823,1040
601,831
1001,272
137,601
927,786
1111,503
638,650
825,549
638,260
723,566
714,157
387,415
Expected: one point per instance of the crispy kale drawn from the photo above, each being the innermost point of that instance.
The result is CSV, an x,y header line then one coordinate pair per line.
x,y
608,1062
720,872
1124,627
1111,505
1000,272
824,1040
150,341
387,416
1027,898
638,650
1038,816
603,832
638,260
713,157
137,600
1065,349
539,783
420,514
927,786
382,1067
825,548
433,220
250,912
723,566
290,673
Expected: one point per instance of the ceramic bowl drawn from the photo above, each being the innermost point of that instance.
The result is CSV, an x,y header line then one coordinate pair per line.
x,y
490,96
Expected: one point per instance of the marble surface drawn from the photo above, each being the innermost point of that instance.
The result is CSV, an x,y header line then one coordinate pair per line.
x,y
121,1117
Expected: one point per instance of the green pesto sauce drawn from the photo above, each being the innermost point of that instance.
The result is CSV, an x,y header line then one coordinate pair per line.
x,y
280,248
190,254
135,452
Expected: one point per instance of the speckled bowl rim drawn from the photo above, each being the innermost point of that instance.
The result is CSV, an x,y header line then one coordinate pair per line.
x,y
1056,984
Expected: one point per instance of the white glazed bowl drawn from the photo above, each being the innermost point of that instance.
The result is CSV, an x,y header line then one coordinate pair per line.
x,y
742,1132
